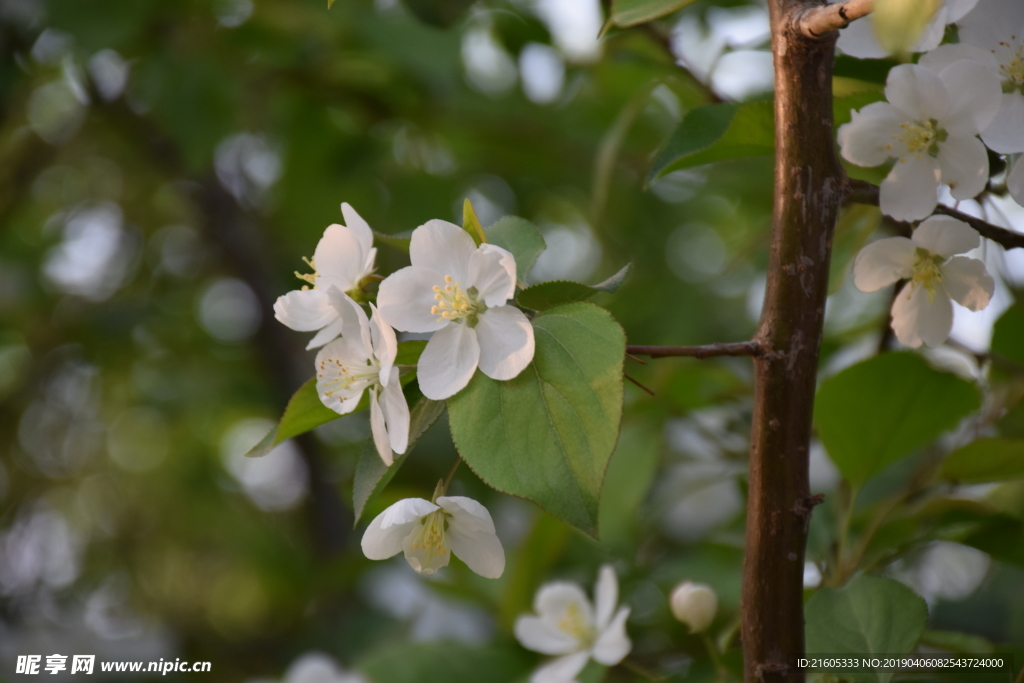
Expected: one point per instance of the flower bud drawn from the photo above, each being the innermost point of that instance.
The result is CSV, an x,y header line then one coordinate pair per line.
x,y
694,604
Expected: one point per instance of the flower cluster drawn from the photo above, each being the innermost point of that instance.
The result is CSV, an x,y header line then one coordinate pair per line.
x,y
944,118
458,291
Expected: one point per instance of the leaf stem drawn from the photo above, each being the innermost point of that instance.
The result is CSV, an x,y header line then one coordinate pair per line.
x,y
451,474
716,657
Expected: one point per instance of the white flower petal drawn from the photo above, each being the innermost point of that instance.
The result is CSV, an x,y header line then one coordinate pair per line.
x,y
911,190
882,263
561,670
921,316
867,140
355,326
968,282
304,310
944,55
957,9
974,97
384,536
556,598
506,342
917,91
467,513
613,644
493,273
543,636
480,550
858,40
448,362
406,297
964,164
992,22
396,414
933,31
355,223
1015,181
327,334
606,596
339,259
1006,132
385,344
346,351
946,236
380,431
442,247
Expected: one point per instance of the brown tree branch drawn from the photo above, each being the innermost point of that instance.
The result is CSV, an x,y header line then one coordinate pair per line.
x,y
865,193
815,22
748,348
809,191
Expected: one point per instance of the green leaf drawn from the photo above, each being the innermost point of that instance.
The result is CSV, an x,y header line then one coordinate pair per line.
x,y
439,13
522,238
372,475
556,292
330,3
631,470
548,434
409,352
961,643
632,12
718,132
400,241
985,461
450,661
305,411
874,413
870,615
471,224
1008,335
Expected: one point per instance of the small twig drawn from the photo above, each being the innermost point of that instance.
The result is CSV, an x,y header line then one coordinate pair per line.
x,y
635,359
634,381
748,348
451,474
865,193
815,22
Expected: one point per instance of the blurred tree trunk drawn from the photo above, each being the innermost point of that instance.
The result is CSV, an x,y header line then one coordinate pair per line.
x,y
809,188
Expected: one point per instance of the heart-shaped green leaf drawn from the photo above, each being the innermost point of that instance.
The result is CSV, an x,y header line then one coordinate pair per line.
x,y
548,434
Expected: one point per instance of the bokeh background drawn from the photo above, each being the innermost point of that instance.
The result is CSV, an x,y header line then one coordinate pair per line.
x,y
163,168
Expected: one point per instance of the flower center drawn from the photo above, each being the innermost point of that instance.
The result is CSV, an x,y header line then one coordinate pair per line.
x,y
431,536
457,304
926,271
574,622
1013,68
345,378
917,137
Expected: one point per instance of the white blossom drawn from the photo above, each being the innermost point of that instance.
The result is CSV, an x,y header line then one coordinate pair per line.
x,y
364,360
428,533
568,625
694,604
923,312
460,292
317,667
996,29
859,40
929,126
1015,181
344,257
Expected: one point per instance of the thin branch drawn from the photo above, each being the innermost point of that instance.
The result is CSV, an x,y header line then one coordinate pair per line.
x,y
815,22
637,382
748,348
865,193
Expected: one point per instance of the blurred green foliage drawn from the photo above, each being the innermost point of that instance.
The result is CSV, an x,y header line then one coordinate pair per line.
x,y
146,232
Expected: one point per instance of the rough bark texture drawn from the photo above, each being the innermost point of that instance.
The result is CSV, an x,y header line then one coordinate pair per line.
x,y
809,190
